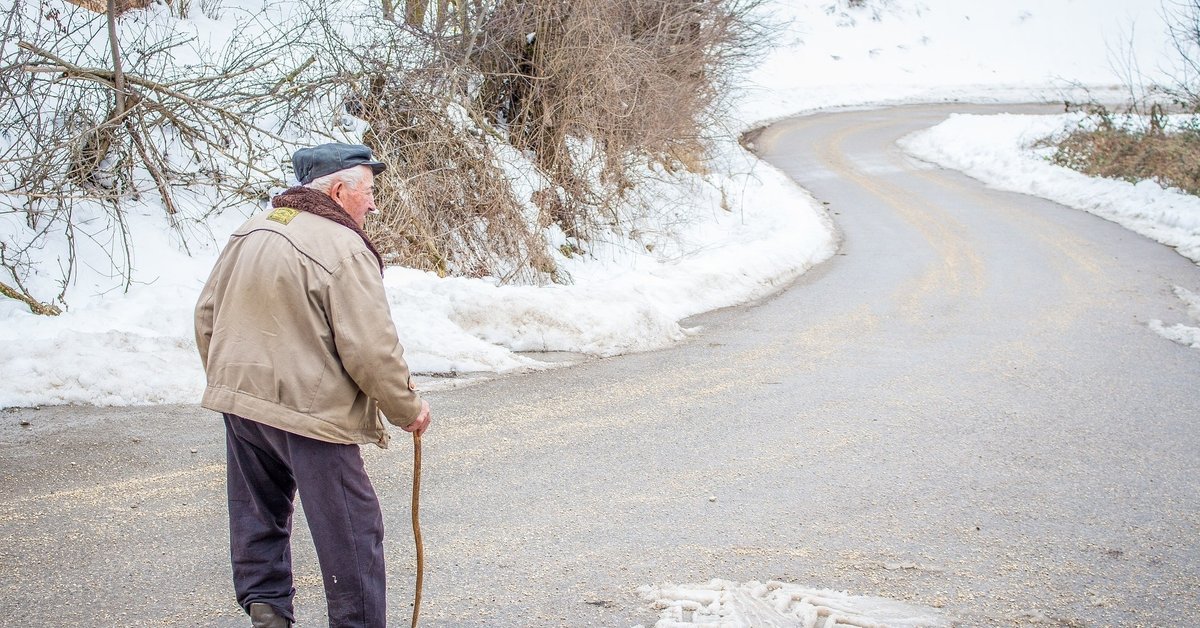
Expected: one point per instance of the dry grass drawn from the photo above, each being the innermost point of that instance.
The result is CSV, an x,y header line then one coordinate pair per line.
x,y
1117,149
593,88
1146,144
449,206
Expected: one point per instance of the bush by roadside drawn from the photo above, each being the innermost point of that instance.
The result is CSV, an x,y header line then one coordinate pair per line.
x,y
1156,147
1145,142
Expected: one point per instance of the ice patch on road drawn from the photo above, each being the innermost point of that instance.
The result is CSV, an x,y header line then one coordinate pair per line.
x,y
1183,334
726,604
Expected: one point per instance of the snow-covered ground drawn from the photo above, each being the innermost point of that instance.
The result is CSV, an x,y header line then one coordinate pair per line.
x,y
744,232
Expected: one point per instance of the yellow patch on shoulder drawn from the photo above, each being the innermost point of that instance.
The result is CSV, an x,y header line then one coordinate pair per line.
x,y
283,215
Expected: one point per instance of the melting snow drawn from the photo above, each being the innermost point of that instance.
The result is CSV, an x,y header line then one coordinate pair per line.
x,y
726,604
1183,334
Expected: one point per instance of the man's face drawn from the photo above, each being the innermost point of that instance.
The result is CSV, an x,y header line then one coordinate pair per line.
x,y
357,199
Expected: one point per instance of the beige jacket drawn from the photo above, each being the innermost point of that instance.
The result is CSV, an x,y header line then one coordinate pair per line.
x,y
295,331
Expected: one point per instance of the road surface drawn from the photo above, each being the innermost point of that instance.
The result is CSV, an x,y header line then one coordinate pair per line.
x,y
963,409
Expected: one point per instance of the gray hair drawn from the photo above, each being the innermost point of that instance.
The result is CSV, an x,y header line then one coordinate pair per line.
x,y
350,176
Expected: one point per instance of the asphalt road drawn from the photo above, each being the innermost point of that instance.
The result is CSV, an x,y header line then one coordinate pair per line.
x,y
963,409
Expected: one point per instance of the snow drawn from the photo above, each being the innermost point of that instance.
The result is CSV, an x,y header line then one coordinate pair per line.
x,y
905,51
726,604
623,299
1183,334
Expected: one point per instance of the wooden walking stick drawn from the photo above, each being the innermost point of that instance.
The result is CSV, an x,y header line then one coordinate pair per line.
x,y
416,524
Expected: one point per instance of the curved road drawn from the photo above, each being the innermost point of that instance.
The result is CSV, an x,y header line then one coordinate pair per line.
x,y
963,409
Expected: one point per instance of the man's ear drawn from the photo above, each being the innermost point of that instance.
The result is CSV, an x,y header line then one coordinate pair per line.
x,y
335,192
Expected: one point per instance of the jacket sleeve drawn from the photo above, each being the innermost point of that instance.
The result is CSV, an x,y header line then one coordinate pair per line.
x,y
366,340
204,320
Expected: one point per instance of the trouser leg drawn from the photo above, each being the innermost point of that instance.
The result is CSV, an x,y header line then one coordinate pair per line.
x,y
343,514
261,492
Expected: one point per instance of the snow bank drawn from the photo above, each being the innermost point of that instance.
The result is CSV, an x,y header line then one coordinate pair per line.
x,y
689,254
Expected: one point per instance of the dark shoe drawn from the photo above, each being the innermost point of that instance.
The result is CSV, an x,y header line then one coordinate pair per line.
x,y
263,616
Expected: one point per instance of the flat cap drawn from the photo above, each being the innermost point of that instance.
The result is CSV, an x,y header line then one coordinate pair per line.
x,y
318,161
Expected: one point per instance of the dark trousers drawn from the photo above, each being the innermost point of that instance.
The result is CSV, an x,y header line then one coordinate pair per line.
x,y
266,466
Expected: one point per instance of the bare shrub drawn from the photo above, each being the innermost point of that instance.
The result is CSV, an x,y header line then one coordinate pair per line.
x,y
100,6
589,90
592,85
1125,148
449,205
1139,141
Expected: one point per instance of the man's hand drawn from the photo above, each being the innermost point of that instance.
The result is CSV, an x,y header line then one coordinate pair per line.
x,y
422,421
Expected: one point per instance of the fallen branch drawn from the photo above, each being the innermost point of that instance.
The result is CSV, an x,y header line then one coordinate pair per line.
x,y
37,307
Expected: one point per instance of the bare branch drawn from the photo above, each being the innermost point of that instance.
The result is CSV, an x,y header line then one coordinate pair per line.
x,y
35,306
115,47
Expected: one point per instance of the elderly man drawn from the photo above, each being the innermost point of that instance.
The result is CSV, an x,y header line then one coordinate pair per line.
x,y
301,355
